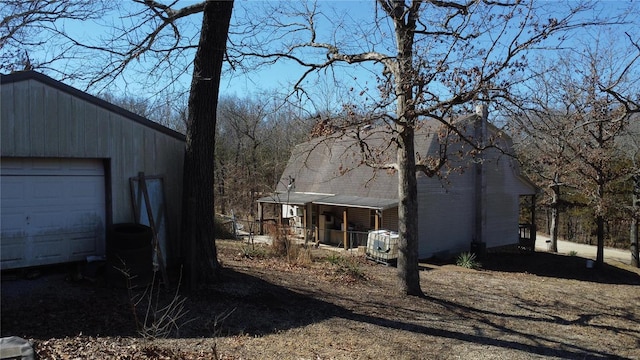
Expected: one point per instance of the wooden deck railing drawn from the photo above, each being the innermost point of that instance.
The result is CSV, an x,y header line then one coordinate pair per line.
x,y
527,237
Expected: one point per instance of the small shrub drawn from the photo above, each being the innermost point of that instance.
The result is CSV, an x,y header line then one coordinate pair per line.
x,y
155,314
468,260
334,259
348,266
573,253
351,268
215,325
304,256
282,244
251,251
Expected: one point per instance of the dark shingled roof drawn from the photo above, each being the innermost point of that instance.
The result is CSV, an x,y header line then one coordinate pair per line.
x,y
330,170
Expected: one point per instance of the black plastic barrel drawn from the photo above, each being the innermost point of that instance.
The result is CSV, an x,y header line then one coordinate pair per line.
x,y
129,255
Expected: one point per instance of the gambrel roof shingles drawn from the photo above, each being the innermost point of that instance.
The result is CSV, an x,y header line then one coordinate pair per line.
x,y
333,164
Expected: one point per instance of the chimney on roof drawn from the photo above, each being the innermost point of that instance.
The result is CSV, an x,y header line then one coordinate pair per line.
x,y
480,179
482,111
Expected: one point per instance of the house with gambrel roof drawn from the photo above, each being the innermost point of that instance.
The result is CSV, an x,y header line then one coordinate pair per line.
x,y
329,189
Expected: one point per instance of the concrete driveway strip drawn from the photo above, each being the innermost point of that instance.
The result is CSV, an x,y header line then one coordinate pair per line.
x,y
584,250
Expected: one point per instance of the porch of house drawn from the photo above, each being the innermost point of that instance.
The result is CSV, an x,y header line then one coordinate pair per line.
x,y
527,225
336,220
321,218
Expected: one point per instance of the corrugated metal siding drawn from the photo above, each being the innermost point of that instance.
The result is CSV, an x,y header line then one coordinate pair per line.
x,y
7,118
38,120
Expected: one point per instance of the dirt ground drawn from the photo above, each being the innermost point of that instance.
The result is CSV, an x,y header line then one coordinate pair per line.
x,y
326,306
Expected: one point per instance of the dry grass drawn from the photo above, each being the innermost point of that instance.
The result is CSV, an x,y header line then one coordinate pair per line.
x,y
516,307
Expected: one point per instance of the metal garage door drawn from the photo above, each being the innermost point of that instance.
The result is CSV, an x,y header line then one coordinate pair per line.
x,y
51,210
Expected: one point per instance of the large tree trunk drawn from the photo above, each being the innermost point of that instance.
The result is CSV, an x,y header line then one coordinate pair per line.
x,y
408,268
198,197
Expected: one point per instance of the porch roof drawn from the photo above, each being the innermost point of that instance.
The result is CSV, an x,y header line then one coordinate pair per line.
x,y
295,198
358,202
292,198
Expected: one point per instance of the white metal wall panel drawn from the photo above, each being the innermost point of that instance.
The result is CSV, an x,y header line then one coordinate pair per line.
x,y
42,118
51,210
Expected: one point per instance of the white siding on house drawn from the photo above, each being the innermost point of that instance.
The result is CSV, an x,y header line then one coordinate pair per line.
x,y
445,215
504,187
447,208
502,220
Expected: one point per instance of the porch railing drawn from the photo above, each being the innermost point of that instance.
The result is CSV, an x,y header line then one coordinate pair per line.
x,y
527,237
354,238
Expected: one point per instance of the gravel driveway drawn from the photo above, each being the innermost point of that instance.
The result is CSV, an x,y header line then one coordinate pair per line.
x,y
584,250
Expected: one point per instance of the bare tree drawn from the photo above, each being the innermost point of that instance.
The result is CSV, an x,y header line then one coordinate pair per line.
x,y
22,23
574,120
164,110
245,132
543,127
255,135
602,119
431,59
630,101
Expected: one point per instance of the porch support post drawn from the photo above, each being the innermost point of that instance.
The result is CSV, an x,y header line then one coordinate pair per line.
x,y
308,220
377,220
305,216
345,226
315,229
279,206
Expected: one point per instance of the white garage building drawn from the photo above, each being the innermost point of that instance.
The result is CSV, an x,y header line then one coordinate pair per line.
x,y
66,162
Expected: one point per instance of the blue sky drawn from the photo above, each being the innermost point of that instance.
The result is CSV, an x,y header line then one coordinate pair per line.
x,y
278,77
